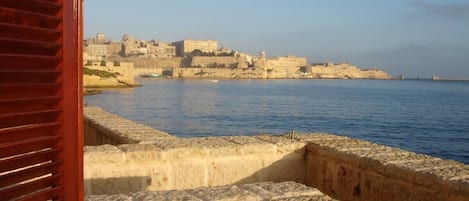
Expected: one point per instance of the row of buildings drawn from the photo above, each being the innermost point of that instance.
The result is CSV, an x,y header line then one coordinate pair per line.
x,y
191,58
99,48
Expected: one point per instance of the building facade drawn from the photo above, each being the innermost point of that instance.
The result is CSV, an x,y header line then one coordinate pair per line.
x,y
187,46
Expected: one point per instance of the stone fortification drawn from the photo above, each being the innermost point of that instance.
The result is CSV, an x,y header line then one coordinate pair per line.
x,y
187,46
172,62
253,192
341,167
218,62
102,127
132,47
99,48
124,74
343,71
160,58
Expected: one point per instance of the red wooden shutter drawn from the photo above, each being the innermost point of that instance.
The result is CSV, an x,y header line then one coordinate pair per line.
x,y
40,100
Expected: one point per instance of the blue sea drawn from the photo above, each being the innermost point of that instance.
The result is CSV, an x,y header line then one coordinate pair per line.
x,y
430,117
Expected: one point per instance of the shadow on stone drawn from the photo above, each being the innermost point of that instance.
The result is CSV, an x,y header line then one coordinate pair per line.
x,y
102,186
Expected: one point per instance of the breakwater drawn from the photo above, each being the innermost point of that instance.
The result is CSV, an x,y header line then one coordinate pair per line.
x,y
341,167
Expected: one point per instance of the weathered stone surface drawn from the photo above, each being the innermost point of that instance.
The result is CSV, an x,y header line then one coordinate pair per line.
x,y
282,190
248,192
103,153
141,152
164,196
102,127
283,143
225,193
119,197
344,168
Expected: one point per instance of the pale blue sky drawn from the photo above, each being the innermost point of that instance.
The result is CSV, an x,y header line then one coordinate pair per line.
x,y
410,37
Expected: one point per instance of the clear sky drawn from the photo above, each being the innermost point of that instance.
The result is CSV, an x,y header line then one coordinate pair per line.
x,y
410,37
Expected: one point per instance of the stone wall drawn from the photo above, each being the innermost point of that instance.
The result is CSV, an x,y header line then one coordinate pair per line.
x,y
102,127
220,73
252,192
343,168
158,62
187,46
216,61
349,169
125,75
345,71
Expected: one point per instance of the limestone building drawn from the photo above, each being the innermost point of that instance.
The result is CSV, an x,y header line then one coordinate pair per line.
x,y
132,47
99,48
187,46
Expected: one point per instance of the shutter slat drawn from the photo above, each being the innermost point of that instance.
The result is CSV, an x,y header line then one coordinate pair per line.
x,y
47,194
29,77
32,117
19,46
15,31
27,188
26,18
32,61
24,132
37,6
29,91
26,146
25,160
28,104
26,174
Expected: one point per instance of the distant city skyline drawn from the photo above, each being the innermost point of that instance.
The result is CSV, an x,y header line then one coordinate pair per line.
x,y
411,37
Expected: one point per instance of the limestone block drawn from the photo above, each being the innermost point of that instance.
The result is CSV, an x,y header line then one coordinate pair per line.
x,y
102,154
180,148
224,193
252,145
218,146
311,137
347,181
164,196
235,169
284,145
187,173
378,187
285,167
140,153
275,191
118,197
161,177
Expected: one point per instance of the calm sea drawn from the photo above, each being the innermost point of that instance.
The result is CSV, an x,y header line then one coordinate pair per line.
x,y
423,116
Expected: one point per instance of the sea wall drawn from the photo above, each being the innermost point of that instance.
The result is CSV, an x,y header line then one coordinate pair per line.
x,y
217,61
101,127
158,62
124,74
341,167
344,71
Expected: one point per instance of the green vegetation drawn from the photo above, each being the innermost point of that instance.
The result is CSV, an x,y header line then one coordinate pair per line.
x,y
100,73
198,52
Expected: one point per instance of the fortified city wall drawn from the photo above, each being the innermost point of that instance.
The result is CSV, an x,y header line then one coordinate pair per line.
x,y
141,161
217,61
187,46
157,62
124,77
344,71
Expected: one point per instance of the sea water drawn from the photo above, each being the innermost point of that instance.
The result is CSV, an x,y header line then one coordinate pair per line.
x,y
430,117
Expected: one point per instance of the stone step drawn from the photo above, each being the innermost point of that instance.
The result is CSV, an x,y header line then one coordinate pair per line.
x,y
284,191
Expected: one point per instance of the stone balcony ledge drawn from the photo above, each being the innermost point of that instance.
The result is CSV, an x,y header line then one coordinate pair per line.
x,y
129,160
